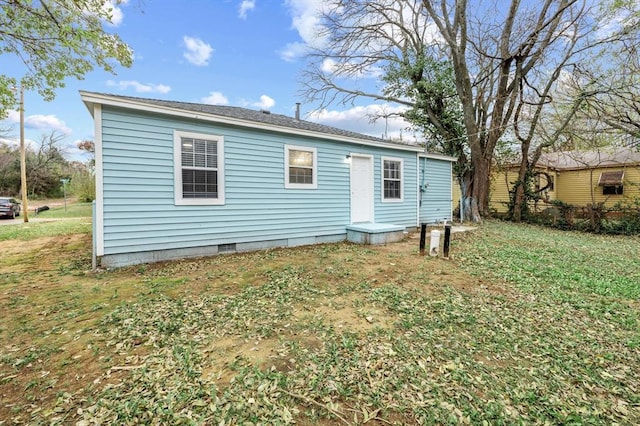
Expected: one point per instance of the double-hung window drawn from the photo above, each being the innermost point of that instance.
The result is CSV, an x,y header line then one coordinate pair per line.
x,y
199,171
300,167
392,184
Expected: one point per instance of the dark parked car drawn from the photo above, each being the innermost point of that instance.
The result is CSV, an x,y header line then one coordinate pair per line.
x,y
9,207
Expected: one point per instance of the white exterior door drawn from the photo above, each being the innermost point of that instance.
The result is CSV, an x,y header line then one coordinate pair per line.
x,y
361,188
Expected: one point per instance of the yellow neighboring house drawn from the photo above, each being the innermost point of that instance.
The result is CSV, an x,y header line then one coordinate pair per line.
x,y
577,178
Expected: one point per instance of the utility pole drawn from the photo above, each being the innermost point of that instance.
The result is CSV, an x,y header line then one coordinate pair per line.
x,y
23,161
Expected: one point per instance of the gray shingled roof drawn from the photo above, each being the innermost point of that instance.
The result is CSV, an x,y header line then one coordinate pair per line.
x,y
612,157
253,116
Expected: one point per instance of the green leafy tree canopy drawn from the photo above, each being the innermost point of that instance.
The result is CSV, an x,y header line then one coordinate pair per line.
x,y
56,39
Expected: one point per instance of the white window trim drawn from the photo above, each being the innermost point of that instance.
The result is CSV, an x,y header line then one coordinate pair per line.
x,y
177,169
289,185
382,197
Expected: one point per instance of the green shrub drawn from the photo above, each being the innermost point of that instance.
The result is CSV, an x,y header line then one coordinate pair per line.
x,y
83,186
565,218
626,220
621,219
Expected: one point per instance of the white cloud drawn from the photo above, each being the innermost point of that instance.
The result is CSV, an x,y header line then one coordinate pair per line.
x,y
198,52
40,122
329,66
305,16
215,98
113,8
46,122
9,141
266,102
139,87
610,23
350,69
305,19
293,51
245,7
15,142
359,119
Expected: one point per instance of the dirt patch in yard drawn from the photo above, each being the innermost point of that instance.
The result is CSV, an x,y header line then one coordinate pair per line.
x,y
347,312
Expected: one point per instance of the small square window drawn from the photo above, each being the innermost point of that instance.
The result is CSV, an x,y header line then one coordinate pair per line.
x,y
301,167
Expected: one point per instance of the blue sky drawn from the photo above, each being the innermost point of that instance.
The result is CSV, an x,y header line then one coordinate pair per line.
x,y
244,53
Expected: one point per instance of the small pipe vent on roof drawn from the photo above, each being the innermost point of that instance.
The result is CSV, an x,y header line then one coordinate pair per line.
x,y
265,111
297,110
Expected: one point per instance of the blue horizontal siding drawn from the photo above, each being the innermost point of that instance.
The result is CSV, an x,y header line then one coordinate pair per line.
x,y
399,213
138,187
248,232
436,178
128,225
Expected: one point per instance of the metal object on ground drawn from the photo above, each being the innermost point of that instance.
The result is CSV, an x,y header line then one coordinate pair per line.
x,y
447,240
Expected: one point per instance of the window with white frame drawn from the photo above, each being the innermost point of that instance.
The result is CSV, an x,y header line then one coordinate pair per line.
x,y
301,167
199,172
392,174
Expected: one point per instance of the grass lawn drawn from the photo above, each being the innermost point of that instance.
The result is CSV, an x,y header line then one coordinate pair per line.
x,y
54,222
73,210
523,325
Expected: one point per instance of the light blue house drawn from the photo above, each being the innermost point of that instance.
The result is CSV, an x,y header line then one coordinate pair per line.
x,y
178,180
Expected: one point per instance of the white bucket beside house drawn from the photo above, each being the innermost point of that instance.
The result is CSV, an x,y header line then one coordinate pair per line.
x,y
434,243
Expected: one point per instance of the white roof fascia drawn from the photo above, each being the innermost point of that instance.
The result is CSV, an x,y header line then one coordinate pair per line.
x,y
438,157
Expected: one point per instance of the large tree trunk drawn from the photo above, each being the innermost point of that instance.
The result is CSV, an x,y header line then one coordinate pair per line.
x,y
480,192
475,191
518,200
466,185
520,186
